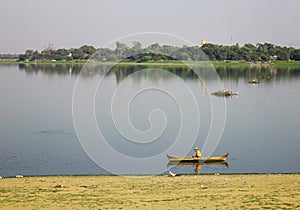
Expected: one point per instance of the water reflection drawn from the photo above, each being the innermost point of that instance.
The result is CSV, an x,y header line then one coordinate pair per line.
x,y
122,71
197,166
51,69
38,137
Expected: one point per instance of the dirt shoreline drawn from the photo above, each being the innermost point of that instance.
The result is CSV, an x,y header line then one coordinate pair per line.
x,y
250,191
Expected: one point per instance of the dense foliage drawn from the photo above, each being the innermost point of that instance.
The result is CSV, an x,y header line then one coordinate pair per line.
x,y
155,52
8,56
50,53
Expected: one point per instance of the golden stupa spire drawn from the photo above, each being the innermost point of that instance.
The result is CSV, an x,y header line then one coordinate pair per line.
x,y
203,42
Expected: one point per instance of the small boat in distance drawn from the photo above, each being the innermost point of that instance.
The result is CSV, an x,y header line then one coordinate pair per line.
x,y
171,163
214,159
225,93
254,81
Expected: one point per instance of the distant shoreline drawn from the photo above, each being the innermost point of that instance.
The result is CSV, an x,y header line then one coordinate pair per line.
x,y
148,175
277,64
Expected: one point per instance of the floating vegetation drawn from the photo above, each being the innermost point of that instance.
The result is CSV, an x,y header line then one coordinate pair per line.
x,y
254,81
225,93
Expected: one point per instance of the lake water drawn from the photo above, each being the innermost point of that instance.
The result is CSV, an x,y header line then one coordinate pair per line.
x,y
37,134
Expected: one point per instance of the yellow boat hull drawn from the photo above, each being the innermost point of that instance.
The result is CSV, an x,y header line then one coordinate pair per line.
x,y
215,159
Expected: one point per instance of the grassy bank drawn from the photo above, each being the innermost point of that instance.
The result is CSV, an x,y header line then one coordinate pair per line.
x,y
242,64
41,62
159,192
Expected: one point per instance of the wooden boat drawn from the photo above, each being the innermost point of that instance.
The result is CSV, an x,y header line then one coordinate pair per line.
x,y
225,163
215,159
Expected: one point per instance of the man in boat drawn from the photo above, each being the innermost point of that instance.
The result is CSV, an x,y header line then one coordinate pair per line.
x,y
198,153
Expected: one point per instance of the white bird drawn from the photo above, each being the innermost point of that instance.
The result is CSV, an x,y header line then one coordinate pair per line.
x,y
171,173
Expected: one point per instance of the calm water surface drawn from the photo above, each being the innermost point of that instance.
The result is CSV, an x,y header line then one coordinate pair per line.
x,y
37,135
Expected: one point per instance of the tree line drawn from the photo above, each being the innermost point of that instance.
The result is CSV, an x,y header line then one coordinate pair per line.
x,y
50,53
9,56
155,52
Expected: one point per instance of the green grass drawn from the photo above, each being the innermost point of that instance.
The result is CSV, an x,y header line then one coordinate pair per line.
x,y
286,64
242,64
231,64
40,62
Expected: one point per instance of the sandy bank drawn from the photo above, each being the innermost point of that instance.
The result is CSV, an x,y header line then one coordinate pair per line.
x,y
159,192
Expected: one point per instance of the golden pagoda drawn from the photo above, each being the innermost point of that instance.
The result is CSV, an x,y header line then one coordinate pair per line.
x,y
203,42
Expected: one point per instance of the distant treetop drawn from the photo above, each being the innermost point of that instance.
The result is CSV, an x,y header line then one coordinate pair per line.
x,y
155,52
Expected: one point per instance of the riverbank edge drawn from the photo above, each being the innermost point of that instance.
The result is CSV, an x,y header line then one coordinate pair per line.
x,y
277,64
146,175
214,191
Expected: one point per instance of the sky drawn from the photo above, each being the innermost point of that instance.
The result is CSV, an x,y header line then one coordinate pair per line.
x,y
33,24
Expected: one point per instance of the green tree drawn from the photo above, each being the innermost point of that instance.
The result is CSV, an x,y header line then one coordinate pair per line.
x,y
296,55
61,54
211,50
122,50
87,50
34,56
47,54
247,52
283,53
137,45
22,57
223,53
183,56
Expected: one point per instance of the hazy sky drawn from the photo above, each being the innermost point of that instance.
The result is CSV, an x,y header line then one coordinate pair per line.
x,y
33,24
